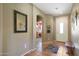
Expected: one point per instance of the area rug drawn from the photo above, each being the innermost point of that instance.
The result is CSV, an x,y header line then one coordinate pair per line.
x,y
52,48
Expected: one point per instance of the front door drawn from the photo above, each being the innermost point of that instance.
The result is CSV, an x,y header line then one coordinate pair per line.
x,y
62,28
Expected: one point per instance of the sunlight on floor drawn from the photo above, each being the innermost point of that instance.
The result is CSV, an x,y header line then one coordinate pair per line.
x,y
39,44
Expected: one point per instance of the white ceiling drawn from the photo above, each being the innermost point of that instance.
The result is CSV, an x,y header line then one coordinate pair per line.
x,y
55,9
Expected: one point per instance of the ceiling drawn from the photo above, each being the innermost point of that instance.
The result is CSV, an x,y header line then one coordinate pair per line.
x,y
55,9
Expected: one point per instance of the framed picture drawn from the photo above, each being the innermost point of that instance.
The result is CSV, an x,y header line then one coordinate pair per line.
x,y
20,22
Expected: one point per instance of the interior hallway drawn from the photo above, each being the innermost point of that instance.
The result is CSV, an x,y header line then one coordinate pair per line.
x,y
18,28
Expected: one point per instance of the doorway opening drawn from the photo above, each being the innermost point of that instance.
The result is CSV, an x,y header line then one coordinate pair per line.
x,y
39,27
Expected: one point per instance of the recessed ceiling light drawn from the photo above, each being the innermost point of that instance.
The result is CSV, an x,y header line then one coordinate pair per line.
x,y
56,8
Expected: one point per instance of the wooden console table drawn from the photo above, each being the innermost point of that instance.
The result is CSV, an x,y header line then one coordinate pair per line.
x,y
70,50
70,47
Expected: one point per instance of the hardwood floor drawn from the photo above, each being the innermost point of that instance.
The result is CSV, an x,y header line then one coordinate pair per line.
x,y
42,49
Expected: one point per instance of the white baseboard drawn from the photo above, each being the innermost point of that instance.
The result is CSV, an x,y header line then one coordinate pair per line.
x,y
28,51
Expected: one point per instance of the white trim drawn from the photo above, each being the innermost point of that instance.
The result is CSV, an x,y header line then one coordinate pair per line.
x,y
28,51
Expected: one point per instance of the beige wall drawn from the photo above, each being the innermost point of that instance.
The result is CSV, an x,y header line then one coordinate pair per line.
x,y
1,29
75,32
14,43
50,21
36,12
62,37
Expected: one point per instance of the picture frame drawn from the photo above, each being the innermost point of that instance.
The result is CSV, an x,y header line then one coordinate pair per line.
x,y
20,22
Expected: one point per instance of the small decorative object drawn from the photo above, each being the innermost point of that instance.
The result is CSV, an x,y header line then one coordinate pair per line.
x,y
48,29
20,22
